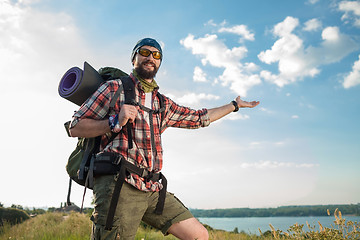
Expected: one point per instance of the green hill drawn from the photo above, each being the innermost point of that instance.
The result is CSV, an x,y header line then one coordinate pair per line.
x,y
12,216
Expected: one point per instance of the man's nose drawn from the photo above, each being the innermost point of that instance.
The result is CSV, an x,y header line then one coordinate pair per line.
x,y
150,57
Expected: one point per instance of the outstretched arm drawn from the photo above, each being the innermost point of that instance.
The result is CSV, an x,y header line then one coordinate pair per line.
x,y
219,112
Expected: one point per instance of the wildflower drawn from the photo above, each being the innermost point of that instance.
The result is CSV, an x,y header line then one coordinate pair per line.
x,y
321,227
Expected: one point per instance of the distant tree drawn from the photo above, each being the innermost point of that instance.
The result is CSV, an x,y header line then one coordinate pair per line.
x,y
1,205
236,230
315,210
51,209
35,211
17,206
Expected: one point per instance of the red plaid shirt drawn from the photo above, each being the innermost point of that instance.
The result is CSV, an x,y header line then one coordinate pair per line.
x,y
97,107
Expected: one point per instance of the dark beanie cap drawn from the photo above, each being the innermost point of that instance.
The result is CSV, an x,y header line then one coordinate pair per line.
x,y
146,42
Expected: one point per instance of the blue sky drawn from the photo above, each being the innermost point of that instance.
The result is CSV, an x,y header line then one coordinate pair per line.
x,y
300,59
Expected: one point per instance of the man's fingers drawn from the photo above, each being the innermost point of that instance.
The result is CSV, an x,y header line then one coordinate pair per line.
x,y
127,113
255,103
248,104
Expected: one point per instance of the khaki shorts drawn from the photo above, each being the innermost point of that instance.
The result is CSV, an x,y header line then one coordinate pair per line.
x,y
133,206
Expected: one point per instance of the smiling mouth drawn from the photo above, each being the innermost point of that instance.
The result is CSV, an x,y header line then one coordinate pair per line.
x,y
149,64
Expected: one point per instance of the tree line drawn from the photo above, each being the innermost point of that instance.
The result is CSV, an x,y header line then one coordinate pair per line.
x,y
285,211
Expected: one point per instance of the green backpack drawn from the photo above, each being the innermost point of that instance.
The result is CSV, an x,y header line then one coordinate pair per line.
x,y
80,165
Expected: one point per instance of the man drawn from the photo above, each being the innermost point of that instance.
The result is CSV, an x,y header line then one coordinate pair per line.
x,y
139,196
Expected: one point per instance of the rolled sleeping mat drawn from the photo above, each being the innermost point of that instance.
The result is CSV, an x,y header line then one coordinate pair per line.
x,y
78,85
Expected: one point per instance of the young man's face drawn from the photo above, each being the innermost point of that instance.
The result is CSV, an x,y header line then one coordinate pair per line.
x,y
146,67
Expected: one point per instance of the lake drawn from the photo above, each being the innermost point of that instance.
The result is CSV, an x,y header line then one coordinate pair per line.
x,y
252,224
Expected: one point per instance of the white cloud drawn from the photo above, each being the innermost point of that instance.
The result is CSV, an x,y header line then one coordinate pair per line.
x,y
312,25
286,27
240,30
28,2
239,81
235,117
213,24
267,145
36,48
335,46
280,143
357,22
194,99
331,34
285,51
43,44
275,164
295,116
266,110
353,78
214,52
210,23
313,1
296,62
232,117
352,11
199,75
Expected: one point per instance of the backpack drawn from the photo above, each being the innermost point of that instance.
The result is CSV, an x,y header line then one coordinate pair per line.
x,y
80,164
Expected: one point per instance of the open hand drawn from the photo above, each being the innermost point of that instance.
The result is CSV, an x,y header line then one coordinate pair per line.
x,y
245,104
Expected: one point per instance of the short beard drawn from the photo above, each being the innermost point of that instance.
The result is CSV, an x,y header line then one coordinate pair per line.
x,y
146,74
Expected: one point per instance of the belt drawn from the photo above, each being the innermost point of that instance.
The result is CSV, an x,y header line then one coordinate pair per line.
x,y
125,167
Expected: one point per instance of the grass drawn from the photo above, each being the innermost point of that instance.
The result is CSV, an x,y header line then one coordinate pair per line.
x,y
341,229
76,226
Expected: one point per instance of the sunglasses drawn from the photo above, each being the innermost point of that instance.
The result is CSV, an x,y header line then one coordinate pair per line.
x,y
146,52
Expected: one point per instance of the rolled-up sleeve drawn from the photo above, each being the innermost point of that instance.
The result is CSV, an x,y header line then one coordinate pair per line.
x,y
96,106
185,117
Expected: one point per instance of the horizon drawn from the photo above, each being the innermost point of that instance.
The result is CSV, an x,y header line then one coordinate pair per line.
x,y
300,59
46,207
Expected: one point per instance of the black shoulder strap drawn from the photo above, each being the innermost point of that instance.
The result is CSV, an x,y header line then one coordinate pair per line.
x,y
112,105
129,93
115,97
162,107
129,90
